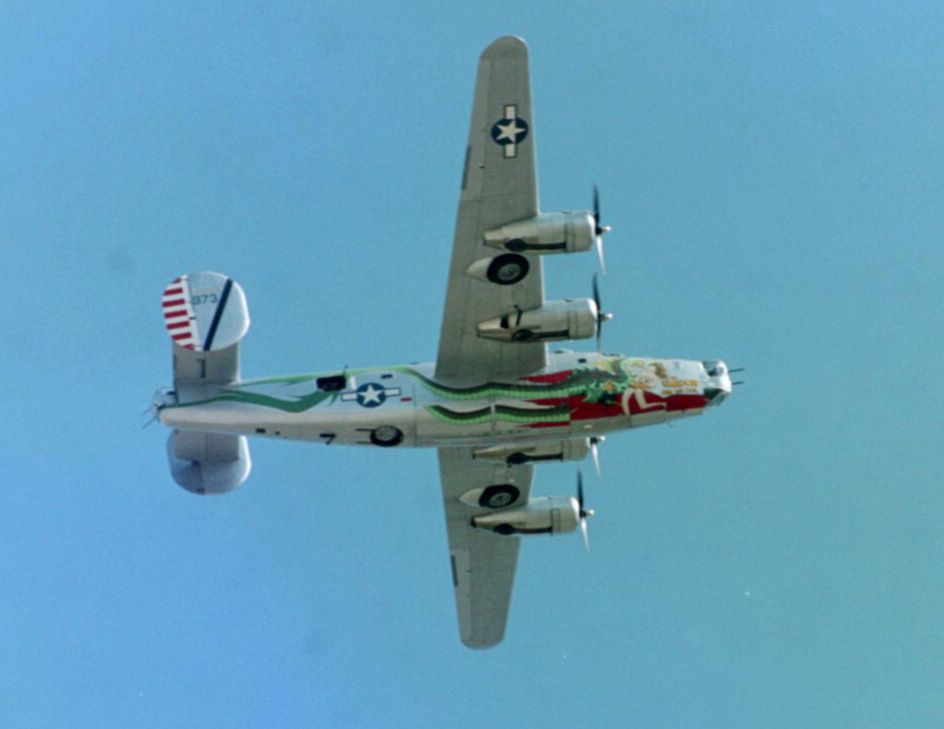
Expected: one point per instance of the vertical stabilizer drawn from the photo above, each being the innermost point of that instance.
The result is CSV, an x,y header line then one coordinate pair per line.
x,y
206,316
208,463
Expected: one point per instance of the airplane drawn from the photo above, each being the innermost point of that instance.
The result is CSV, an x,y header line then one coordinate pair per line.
x,y
496,401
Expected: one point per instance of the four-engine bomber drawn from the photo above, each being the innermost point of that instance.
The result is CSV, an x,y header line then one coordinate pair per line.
x,y
494,403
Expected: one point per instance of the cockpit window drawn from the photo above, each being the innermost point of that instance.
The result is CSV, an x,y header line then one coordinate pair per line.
x,y
714,368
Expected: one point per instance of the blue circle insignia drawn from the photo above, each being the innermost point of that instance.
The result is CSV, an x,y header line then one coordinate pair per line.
x,y
509,131
371,395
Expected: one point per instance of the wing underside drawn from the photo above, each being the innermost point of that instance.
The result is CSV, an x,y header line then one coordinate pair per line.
x,y
483,563
499,186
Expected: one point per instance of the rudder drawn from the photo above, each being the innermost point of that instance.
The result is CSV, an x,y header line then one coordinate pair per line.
x,y
208,463
206,316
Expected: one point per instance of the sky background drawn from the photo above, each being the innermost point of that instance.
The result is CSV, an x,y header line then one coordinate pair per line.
x,y
773,173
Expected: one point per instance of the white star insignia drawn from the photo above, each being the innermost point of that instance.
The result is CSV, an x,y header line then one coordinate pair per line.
x,y
509,130
371,394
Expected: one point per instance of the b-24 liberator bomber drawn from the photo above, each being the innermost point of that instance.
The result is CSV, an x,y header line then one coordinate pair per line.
x,y
496,401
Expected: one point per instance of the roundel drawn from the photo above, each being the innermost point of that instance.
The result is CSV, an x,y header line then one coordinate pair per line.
x,y
509,131
370,395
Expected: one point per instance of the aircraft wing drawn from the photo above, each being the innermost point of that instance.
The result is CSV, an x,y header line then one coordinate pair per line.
x,y
483,563
499,186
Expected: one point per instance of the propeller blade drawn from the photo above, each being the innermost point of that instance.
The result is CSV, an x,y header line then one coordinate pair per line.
x,y
584,513
602,316
598,229
596,300
598,242
596,209
595,452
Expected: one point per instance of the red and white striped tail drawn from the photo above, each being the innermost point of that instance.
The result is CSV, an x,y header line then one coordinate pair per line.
x,y
178,313
205,312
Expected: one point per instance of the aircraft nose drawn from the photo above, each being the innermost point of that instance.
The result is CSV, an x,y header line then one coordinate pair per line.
x,y
715,393
717,381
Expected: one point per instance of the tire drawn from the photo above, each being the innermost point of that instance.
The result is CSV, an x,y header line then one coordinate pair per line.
x,y
508,269
499,496
505,529
523,335
386,436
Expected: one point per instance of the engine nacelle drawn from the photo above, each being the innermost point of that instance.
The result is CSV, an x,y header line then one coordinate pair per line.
x,y
566,450
556,320
208,463
543,515
565,232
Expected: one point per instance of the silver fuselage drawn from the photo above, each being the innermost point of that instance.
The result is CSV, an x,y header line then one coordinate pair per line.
x,y
578,395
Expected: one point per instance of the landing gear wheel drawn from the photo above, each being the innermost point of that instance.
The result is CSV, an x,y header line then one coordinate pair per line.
x,y
499,496
507,269
523,335
386,436
516,459
505,529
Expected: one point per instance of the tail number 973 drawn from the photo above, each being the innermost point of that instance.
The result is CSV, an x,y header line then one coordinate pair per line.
x,y
198,299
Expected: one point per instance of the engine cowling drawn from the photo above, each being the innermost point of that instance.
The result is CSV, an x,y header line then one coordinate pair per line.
x,y
575,449
562,232
542,515
556,320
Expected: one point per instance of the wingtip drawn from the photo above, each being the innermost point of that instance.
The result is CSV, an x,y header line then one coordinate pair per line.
x,y
480,645
505,46
479,639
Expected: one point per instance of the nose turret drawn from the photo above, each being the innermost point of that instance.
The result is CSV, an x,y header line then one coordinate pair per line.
x,y
717,381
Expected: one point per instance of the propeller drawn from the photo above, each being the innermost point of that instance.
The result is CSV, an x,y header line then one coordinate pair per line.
x,y
599,230
594,451
584,513
602,316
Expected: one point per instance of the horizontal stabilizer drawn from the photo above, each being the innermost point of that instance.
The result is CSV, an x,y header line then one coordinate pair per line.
x,y
208,463
206,316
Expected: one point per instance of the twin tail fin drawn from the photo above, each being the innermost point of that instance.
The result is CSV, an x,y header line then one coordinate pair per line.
x,y
206,316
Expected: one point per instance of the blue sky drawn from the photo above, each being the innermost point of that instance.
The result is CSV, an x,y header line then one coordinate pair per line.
x,y
773,175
